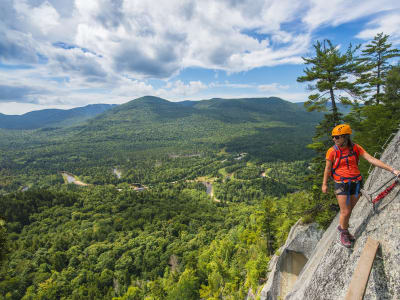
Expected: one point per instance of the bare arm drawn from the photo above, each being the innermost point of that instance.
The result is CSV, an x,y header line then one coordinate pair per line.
x,y
327,173
376,162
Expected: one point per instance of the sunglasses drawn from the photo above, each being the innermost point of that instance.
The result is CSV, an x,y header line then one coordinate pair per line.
x,y
336,137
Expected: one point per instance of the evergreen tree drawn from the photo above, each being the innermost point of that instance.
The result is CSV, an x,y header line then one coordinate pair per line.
x,y
377,122
374,65
392,91
330,70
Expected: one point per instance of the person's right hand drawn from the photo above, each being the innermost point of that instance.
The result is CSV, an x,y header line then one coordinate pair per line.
x,y
396,172
324,188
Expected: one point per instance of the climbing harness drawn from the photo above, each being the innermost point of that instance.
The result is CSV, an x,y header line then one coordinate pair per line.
x,y
384,193
338,158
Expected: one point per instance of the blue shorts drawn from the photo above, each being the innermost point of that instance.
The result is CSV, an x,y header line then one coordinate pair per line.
x,y
343,188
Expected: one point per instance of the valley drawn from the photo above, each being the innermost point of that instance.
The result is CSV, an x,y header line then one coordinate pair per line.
x,y
112,201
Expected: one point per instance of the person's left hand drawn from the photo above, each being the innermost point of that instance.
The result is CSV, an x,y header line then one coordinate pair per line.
x,y
396,172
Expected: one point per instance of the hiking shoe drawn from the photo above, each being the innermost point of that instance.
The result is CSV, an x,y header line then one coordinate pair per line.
x,y
344,239
351,237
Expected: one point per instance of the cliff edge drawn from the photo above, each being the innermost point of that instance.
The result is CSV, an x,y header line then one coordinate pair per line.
x,y
327,274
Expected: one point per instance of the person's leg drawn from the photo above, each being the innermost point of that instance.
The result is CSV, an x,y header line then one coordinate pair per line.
x,y
345,211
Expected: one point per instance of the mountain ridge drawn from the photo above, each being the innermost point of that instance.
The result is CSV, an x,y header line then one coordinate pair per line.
x,y
52,117
258,126
214,106
241,125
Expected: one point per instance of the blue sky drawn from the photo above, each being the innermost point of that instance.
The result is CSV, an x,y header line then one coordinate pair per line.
x,y
64,54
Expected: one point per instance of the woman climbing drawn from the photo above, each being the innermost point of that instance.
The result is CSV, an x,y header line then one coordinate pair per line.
x,y
342,165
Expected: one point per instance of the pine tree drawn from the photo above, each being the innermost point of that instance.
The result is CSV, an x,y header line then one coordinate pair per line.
x,y
392,91
374,65
330,70
380,116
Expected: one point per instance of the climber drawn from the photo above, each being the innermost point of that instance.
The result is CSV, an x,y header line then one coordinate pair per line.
x,y
342,165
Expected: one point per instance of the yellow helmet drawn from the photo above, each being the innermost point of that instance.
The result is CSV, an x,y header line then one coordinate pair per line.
x,y
341,129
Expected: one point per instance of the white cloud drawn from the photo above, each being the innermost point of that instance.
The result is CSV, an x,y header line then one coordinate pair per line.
x,y
387,23
178,90
272,87
227,84
158,39
45,16
336,12
115,46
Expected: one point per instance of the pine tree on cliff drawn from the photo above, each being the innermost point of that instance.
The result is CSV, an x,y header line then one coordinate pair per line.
x,y
377,122
378,118
374,66
329,75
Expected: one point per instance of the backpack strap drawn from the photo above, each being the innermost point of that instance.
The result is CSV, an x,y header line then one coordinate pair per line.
x,y
337,158
356,151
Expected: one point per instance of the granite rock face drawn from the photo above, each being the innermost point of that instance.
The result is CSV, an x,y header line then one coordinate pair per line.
x,y
284,268
328,272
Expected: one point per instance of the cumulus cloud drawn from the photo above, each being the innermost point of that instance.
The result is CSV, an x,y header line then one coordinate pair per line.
x,y
178,90
158,39
388,23
336,12
109,44
161,62
46,16
17,47
76,61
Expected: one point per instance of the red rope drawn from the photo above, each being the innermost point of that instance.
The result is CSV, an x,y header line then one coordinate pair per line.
x,y
385,192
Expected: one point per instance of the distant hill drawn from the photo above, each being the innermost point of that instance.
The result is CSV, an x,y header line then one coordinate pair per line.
x,y
260,126
52,117
154,109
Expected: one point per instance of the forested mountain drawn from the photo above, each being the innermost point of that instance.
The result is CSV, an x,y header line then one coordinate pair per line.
x,y
249,125
240,110
52,117
151,129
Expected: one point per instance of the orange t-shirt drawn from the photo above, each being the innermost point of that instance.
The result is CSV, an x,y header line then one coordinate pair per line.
x,y
344,169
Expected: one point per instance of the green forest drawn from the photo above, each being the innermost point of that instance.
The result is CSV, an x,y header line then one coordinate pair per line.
x,y
183,200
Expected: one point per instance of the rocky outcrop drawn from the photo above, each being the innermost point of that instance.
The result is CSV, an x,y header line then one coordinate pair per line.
x,y
285,267
328,272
